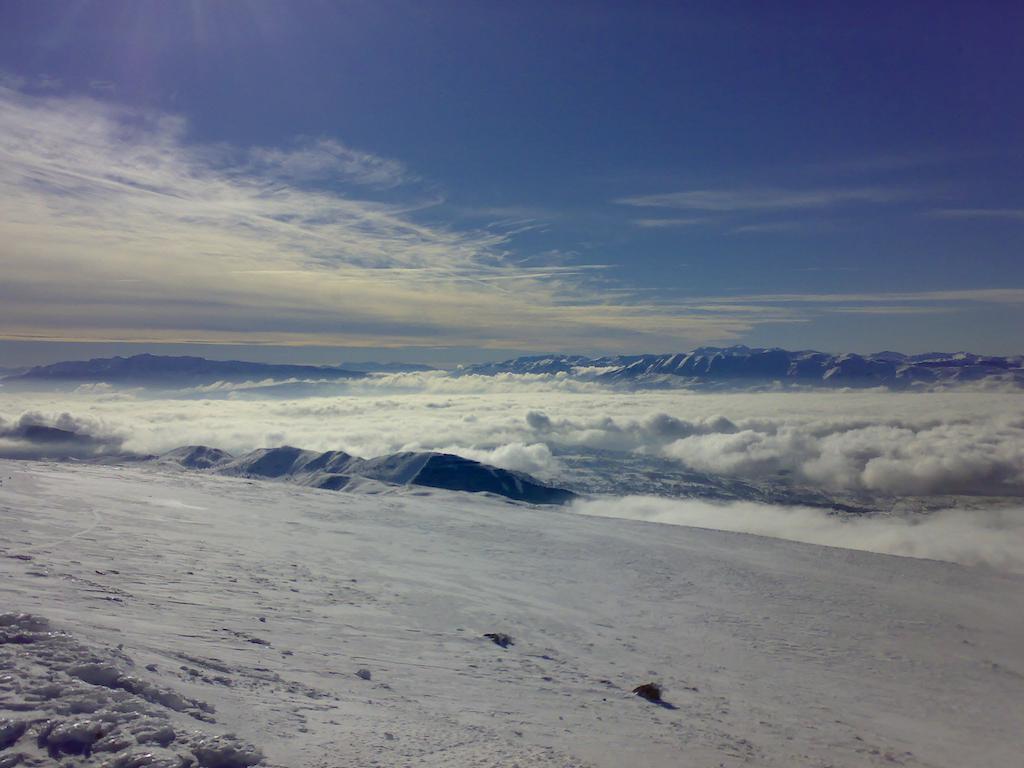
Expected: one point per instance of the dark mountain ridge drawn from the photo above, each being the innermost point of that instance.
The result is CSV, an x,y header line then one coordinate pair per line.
x,y
152,369
710,366
334,470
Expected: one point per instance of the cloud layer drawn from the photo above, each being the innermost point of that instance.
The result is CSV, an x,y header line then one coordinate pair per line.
x,y
885,445
39,436
880,446
770,199
993,537
985,458
875,443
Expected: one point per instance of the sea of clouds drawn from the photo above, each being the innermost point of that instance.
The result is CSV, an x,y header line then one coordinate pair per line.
x,y
992,537
870,442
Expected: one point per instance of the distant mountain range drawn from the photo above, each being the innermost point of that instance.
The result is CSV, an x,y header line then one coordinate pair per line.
x,y
729,366
337,470
706,367
181,371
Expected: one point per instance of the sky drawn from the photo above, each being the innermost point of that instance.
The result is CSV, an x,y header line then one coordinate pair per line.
x,y
457,181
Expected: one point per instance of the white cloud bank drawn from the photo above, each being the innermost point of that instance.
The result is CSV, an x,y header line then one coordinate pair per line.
x,y
883,444
535,459
985,458
993,537
872,442
879,453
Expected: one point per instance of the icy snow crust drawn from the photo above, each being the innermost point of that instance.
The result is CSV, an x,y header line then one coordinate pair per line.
x,y
169,619
63,701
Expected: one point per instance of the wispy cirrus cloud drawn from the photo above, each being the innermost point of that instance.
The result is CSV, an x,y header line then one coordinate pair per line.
x,y
117,227
888,310
966,295
806,306
767,199
505,212
690,221
770,226
326,159
102,86
1015,214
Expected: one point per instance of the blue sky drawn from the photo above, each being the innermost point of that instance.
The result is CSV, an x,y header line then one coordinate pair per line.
x,y
457,181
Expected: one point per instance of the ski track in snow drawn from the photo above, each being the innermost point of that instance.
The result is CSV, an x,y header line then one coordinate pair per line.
x,y
262,601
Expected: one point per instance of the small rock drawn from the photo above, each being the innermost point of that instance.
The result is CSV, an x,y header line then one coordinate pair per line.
x,y
650,691
499,639
11,731
365,674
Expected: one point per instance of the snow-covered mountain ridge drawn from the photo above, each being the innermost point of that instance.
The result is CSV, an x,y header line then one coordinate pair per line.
x,y
337,470
706,367
722,366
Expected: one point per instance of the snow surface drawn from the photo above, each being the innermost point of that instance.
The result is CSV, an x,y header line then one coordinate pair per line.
x,y
201,618
65,698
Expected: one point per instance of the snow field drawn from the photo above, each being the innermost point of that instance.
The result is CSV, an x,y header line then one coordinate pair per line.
x,y
263,601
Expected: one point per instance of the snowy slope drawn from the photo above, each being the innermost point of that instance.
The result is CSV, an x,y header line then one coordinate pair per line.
x,y
263,600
